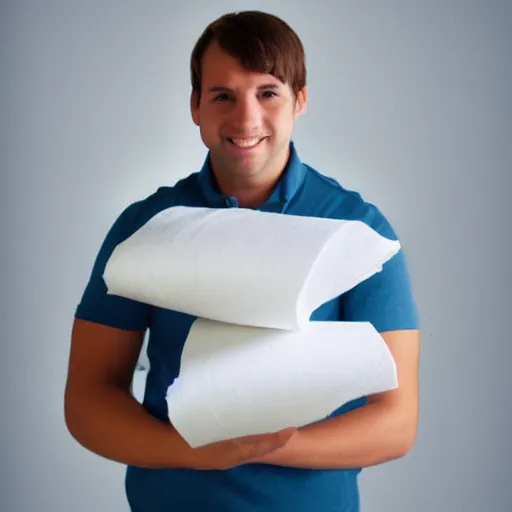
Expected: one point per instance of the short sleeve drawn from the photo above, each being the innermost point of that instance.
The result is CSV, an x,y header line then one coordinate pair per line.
x,y
96,305
386,299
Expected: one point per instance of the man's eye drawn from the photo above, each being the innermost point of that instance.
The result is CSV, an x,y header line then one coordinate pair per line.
x,y
269,94
221,97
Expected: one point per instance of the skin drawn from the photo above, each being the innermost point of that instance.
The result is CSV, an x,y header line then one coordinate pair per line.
x,y
237,103
100,412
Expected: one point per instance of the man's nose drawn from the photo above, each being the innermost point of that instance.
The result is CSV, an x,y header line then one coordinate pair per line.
x,y
246,115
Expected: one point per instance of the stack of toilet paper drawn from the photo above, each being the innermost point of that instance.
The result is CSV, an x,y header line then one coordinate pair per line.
x,y
253,361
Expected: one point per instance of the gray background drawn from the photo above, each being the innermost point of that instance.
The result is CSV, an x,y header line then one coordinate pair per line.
x,y
409,104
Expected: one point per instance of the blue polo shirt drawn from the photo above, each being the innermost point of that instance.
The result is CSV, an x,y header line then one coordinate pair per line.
x,y
385,300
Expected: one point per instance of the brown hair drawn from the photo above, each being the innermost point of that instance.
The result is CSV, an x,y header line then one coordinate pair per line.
x,y
260,41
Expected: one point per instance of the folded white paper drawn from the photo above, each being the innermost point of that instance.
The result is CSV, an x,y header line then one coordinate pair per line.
x,y
236,381
243,266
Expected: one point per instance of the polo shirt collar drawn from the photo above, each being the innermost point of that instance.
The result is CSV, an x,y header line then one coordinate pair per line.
x,y
286,188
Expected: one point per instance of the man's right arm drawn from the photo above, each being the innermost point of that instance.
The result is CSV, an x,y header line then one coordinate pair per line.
x,y
103,416
100,412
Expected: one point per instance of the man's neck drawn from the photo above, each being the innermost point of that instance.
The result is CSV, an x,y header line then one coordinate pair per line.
x,y
248,195
253,192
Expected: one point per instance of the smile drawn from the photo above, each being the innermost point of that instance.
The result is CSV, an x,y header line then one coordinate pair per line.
x,y
247,143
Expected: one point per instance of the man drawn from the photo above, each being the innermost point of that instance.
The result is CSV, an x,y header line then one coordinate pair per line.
x,y
248,89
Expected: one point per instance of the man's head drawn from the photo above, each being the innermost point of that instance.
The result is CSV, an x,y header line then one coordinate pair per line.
x,y
248,87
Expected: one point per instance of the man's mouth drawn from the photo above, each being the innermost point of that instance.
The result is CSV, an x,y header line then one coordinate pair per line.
x,y
247,143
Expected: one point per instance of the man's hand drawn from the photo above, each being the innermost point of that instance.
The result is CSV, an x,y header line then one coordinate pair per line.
x,y
104,417
243,450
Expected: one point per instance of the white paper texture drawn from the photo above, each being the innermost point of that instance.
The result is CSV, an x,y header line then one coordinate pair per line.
x,y
243,266
236,381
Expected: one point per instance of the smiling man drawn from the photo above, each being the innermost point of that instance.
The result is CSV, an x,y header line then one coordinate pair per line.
x,y
248,89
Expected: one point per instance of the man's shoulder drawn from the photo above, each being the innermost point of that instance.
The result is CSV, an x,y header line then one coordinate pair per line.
x,y
183,193
331,199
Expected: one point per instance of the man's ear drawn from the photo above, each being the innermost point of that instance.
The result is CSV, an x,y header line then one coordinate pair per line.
x,y
301,101
194,106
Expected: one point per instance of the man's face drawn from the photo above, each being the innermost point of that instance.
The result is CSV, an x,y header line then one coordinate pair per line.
x,y
245,118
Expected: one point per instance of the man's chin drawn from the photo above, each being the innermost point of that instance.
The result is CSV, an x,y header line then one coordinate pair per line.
x,y
239,165
243,163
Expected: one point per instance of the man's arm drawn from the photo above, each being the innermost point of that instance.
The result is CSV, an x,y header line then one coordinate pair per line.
x,y
382,430
105,418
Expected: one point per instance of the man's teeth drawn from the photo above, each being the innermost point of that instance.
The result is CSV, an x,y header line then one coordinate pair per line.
x,y
246,143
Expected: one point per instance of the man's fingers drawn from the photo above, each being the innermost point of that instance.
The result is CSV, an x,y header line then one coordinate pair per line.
x,y
281,437
259,445
278,438
273,442
285,434
251,440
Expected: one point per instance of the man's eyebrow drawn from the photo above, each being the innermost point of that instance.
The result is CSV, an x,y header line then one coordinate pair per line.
x,y
221,88
268,86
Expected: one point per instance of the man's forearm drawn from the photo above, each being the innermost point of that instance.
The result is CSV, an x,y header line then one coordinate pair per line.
x,y
111,423
363,437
